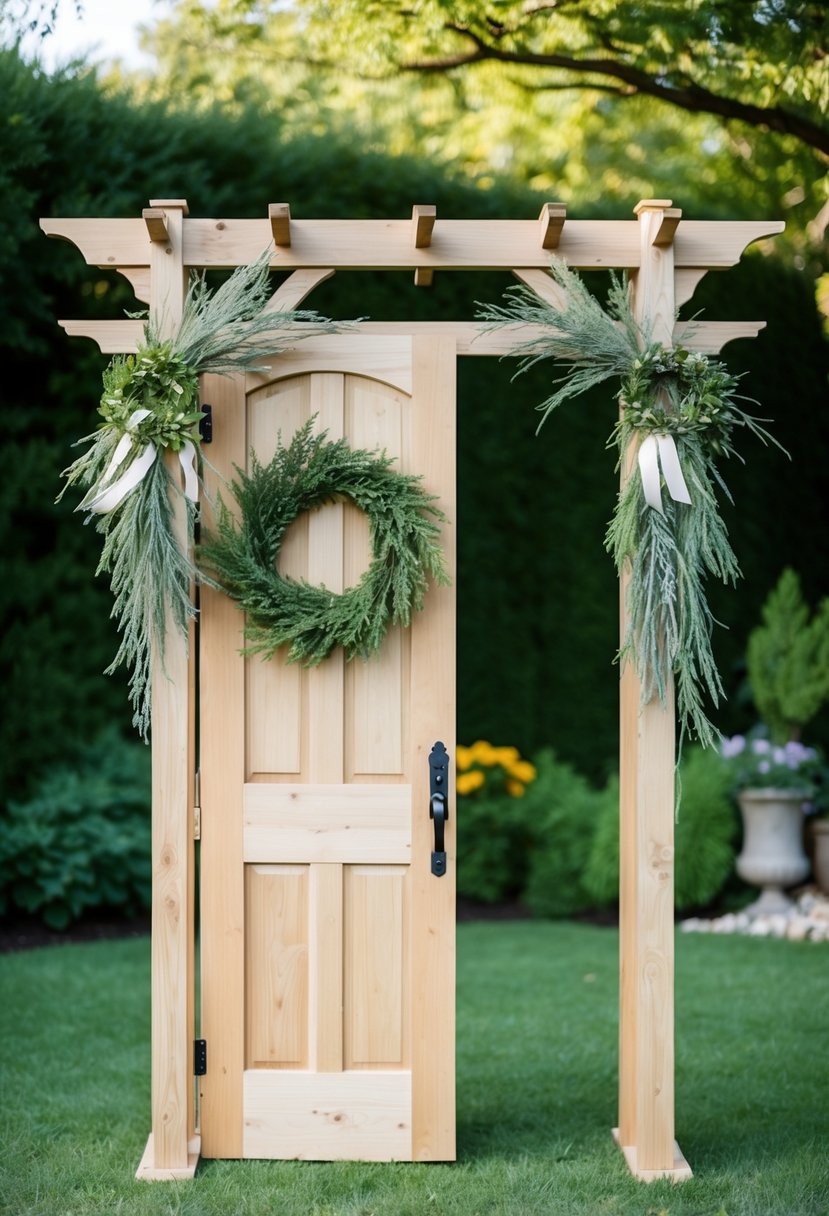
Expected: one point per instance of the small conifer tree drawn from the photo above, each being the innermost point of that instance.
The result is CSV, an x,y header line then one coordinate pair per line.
x,y
788,660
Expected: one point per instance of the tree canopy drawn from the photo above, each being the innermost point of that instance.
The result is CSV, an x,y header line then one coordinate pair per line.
x,y
761,62
720,104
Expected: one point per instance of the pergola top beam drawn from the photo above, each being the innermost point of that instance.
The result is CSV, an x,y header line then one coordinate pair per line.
x,y
388,244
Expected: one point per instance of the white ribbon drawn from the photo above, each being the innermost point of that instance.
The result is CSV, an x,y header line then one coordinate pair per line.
x,y
187,460
105,497
653,451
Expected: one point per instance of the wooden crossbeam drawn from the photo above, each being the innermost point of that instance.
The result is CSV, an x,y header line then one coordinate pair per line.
x,y
708,337
279,215
388,245
551,221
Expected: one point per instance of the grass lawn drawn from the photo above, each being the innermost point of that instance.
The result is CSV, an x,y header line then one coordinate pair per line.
x,y
536,1089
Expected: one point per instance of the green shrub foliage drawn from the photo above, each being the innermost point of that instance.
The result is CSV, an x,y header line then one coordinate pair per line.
x,y
82,840
566,810
534,847
494,841
705,831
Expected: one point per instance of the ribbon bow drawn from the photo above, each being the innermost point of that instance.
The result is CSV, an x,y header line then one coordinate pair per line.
x,y
108,494
654,450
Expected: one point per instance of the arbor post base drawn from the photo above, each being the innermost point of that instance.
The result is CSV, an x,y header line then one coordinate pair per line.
x,y
149,1172
678,1172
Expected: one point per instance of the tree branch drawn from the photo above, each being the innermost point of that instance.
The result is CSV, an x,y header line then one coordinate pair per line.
x,y
692,97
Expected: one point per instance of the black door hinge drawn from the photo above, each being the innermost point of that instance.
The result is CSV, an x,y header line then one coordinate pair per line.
x,y
200,1057
206,424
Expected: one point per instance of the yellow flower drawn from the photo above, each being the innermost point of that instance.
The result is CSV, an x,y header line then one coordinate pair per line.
x,y
484,753
524,771
463,757
507,756
467,782
515,788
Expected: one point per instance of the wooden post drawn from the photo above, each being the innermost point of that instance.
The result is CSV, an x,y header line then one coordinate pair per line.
x,y
646,895
172,1149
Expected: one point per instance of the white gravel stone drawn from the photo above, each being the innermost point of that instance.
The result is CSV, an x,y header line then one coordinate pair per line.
x,y
798,928
807,920
759,927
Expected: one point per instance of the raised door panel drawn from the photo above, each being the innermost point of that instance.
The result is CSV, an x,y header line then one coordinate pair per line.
x,y
339,721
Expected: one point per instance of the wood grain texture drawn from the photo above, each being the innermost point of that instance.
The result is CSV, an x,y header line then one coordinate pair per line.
x,y
356,352
376,995
321,823
388,244
296,288
433,718
173,930
376,691
647,749
276,965
709,337
325,1013
680,1169
325,683
222,698
148,1171
326,849
347,1116
276,691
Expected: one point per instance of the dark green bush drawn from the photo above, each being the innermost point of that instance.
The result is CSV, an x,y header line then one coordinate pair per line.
x,y
705,829
565,811
494,839
82,840
533,847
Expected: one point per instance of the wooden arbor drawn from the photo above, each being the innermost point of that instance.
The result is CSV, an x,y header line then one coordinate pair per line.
x,y
665,258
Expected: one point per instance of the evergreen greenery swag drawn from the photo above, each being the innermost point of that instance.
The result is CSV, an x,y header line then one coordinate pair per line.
x,y
311,620
672,394
150,404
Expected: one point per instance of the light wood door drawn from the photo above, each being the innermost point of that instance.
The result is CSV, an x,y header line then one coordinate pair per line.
x,y
327,945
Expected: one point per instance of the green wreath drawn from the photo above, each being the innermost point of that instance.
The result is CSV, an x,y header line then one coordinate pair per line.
x,y
311,620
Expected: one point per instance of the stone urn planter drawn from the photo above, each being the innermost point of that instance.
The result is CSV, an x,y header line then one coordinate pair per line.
x,y
820,859
772,857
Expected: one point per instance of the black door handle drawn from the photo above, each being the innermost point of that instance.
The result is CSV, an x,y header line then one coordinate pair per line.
x,y
438,805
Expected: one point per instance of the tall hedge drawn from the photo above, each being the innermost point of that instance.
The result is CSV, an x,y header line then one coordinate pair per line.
x,y
537,594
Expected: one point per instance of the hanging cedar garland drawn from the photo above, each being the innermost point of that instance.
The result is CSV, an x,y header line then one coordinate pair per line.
x,y
150,404
678,415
